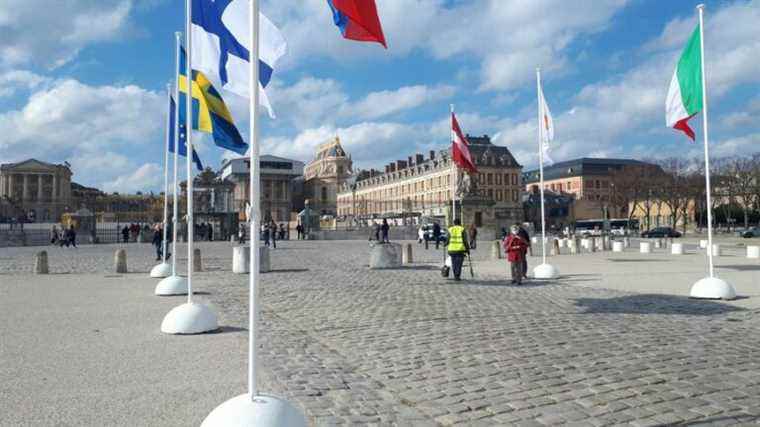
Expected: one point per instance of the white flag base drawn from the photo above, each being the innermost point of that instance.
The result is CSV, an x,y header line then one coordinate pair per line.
x,y
545,271
189,318
172,285
161,270
263,410
712,288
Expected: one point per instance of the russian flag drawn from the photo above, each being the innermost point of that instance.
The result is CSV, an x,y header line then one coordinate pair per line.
x,y
358,20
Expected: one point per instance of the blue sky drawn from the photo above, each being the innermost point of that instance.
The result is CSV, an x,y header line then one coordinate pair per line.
x,y
92,91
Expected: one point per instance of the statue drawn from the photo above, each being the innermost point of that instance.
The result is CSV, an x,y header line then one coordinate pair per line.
x,y
466,186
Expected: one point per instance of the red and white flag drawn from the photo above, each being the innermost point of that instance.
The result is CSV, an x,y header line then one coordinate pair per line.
x,y
460,152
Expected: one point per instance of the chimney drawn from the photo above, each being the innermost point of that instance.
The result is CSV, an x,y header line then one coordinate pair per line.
x,y
419,158
400,164
409,159
393,167
387,168
432,154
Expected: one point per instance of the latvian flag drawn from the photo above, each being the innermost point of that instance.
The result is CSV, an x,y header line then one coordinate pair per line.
x,y
460,152
685,93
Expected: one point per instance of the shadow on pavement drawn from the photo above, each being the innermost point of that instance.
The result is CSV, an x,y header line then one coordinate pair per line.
x,y
741,267
635,260
655,304
229,329
289,270
738,419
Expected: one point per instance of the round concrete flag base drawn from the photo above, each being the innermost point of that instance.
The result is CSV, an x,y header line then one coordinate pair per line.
x,y
172,285
263,410
545,271
189,318
712,288
161,270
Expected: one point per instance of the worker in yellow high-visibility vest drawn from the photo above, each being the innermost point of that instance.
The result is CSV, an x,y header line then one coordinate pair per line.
x,y
457,248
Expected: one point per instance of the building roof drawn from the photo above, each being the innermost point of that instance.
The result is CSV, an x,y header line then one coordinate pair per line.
x,y
584,166
34,163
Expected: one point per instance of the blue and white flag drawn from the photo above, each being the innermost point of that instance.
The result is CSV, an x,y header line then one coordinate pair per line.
x,y
220,46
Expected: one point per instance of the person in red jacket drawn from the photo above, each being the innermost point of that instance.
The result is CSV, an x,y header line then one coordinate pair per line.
x,y
515,247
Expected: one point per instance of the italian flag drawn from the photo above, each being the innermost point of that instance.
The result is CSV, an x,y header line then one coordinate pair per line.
x,y
685,93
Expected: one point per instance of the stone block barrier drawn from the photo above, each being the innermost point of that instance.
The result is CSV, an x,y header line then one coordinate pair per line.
x,y
41,263
753,252
120,261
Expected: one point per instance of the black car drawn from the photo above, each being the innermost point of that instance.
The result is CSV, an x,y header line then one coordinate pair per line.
x,y
661,232
752,232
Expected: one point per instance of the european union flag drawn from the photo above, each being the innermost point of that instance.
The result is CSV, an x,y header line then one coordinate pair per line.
x,y
210,113
182,141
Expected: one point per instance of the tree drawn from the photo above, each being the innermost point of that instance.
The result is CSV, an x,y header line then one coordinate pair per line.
x,y
674,188
630,189
743,172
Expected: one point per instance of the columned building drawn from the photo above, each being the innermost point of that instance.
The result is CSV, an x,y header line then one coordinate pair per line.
x,y
278,185
38,190
423,187
323,176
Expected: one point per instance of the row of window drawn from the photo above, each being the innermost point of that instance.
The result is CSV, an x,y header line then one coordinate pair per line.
x,y
498,179
424,200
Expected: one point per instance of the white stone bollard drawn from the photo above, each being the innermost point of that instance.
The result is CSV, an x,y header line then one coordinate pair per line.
x,y
197,261
606,243
617,246
676,249
702,244
753,251
562,243
385,255
645,247
658,243
584,243
717,250
496,249
241,259
406,255
265,264
41,263
120,261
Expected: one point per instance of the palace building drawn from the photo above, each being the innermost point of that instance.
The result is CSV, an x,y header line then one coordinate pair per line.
x,y
422,187
37,190
323,176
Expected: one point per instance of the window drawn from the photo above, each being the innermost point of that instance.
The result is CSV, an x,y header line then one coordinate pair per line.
x,y
598,184
506,179
605,184
478,219
514,179
569,185
498,179
489,178
324,194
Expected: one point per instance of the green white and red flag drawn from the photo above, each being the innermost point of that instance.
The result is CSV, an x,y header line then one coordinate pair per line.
x,y
685,93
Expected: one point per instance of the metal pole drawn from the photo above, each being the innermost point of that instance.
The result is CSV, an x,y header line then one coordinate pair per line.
x,y
454,174
701,8
175,207
254,194
541,165
166,171
189,139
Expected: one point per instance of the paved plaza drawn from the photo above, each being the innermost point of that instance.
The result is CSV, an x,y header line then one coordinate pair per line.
x,y
614,341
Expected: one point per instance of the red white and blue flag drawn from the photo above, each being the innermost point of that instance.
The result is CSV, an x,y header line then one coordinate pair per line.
x,y
358,20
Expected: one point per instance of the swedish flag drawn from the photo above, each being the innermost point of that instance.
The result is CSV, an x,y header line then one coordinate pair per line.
x,y
210,114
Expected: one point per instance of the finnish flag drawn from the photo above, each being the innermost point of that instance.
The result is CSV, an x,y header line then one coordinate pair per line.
x,y
220,46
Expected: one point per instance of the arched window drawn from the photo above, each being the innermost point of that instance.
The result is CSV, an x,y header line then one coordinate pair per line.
x,y
324,194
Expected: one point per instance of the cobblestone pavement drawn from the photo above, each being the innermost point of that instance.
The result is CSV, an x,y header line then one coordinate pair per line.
x,y
407,347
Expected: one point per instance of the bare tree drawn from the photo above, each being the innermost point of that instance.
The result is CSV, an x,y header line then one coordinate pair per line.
x,y
631,190
673,190
743,173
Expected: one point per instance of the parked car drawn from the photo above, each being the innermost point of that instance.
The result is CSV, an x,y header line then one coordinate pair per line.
x,y
752,232
428,229
661,232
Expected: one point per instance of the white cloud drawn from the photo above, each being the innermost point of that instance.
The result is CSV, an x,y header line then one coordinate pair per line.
x,y
51,33
149,175
509,37
383,103
14,81
102,130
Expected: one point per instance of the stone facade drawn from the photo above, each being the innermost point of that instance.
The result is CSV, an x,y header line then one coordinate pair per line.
x,y
278,184
589,180
422,187
38,190
323,176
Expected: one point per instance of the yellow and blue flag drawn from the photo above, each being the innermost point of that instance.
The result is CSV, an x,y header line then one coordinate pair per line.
x,y
210,113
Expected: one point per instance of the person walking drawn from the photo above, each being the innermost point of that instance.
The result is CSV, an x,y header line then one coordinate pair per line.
x,y
473,234
273,233
54,236
299,231
436,234
158,239
125,234
457,248
385,228
241,234
265,233
70,237
210,232
516,247
526,237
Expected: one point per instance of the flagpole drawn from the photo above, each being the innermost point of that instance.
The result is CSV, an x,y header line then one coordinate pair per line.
x,y
454,174
254,193
541,164
189,139
166,171
701,8
175,207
